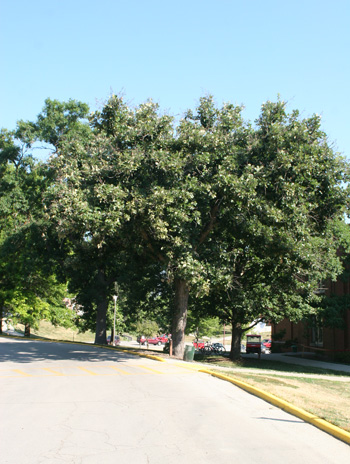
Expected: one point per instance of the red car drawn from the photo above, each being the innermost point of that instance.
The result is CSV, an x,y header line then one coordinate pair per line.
x,y
199,344
163,338
153,341
267,343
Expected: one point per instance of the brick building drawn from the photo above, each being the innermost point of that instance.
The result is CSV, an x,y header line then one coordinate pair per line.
x,y
327,342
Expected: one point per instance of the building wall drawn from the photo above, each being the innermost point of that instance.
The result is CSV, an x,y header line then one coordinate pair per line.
x,y
333,339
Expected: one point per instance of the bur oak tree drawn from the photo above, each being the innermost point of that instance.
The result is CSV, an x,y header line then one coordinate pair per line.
x,y
247,217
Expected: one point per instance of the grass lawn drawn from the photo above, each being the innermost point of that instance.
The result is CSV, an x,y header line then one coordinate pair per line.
x,y
47,330
304,387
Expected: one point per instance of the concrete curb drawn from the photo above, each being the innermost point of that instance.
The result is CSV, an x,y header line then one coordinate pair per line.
x,y
288,407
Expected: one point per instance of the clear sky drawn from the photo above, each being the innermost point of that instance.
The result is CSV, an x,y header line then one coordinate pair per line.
x,y
242,51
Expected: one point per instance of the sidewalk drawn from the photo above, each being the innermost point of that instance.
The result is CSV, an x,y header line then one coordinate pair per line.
x,y
295,358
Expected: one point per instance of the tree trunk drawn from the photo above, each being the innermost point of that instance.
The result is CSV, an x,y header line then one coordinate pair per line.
x,y
180,317
101,315
101,320
27,330
236,341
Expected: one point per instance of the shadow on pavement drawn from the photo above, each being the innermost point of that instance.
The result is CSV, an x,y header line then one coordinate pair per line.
x,y
27,351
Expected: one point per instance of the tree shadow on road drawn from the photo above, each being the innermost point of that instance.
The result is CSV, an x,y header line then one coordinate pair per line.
x,y
28,351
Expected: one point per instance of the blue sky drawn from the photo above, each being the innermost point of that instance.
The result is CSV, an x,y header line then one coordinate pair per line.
x,y
245,52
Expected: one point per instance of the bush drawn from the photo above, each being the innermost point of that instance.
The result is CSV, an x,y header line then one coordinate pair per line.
x,y
290,343
276,347
277,337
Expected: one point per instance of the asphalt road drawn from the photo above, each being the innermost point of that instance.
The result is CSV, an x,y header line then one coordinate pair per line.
x,y
66,403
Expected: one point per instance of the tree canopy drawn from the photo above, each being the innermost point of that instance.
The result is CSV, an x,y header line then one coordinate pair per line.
x,y
235,220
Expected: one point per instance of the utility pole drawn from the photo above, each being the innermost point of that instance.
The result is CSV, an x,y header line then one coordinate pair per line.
x,y
115,297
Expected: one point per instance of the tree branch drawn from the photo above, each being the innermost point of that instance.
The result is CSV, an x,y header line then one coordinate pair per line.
x,y
209,227
149,245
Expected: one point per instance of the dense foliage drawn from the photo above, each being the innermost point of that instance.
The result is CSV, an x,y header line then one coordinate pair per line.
x,y
236,221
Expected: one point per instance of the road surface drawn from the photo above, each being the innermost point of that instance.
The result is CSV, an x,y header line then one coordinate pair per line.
x,y
79,404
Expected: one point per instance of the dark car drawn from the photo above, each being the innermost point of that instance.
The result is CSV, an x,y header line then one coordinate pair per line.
x,y
219,347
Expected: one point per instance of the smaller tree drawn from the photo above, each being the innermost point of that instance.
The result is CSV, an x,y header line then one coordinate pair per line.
x,y
202,326
147,328
29,290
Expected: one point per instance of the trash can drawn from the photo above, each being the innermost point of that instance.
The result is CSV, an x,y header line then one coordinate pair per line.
x,y
189,353
294,348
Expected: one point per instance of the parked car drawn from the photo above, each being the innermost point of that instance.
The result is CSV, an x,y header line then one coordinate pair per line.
x,y
199,344
219,347
116,340
153,341
159,340
264,349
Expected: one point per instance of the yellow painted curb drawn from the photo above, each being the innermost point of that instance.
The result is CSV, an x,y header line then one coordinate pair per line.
x,y
136,353
301,413
150,356
21,337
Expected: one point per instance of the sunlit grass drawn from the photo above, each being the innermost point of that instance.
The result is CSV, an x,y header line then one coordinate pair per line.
x,y
48,331
302,386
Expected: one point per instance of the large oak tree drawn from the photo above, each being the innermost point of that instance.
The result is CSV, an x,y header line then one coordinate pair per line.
x,y
247,216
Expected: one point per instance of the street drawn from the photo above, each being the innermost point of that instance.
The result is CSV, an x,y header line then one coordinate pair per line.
x,y
79,404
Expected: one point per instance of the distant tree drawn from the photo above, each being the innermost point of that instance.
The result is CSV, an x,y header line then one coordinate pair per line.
x,y
29,290
29,248
147,328
202,326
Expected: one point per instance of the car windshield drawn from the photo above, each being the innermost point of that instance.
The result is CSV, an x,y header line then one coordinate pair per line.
x,y
253,339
